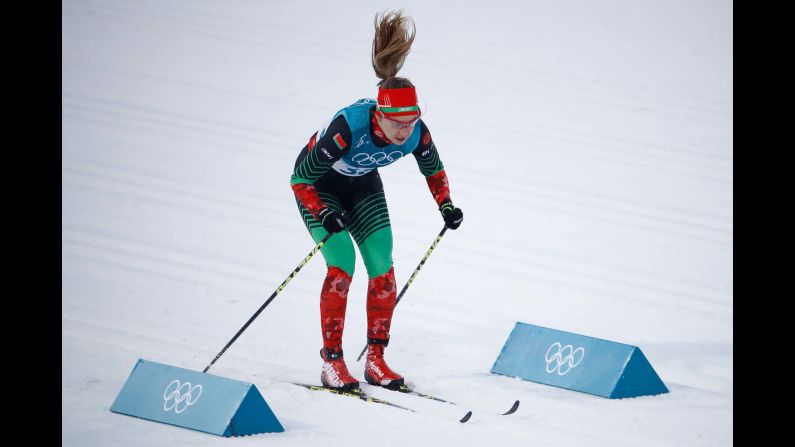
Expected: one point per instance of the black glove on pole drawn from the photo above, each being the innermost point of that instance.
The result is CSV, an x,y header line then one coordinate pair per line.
x,y
332,221
452,215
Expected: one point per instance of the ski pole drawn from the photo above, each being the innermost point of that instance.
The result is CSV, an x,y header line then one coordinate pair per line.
x,y
411,279
273,295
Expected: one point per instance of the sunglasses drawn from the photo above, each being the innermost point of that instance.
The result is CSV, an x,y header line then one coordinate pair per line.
x,y
395,124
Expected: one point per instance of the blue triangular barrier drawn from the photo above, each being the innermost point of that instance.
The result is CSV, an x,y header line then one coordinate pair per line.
x,y
577,362
195,400
638,378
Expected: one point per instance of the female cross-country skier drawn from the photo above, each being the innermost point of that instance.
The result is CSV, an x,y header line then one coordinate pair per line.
x,y
338,190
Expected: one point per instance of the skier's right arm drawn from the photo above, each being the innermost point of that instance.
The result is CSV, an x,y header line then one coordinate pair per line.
x,y
320,155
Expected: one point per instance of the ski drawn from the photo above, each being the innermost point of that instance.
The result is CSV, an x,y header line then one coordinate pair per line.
x,y
402,388
361,395
357,393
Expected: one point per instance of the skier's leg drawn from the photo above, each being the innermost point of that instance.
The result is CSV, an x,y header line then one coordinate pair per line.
x,y
340,261
372,232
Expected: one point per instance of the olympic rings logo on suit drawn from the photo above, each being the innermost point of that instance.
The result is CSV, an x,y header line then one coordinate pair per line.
x,y
181,395
378,158
563,358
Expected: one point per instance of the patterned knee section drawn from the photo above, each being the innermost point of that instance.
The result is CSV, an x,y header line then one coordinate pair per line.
x,y
381,296
333,301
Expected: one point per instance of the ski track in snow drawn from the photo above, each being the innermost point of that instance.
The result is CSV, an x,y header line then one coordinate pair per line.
x,y
173,195
178,222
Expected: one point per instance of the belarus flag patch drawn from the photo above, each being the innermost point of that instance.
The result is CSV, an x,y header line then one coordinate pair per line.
x,y
339,141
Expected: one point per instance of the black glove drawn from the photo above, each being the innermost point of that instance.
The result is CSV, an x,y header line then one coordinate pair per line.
x,y
332,221
452,216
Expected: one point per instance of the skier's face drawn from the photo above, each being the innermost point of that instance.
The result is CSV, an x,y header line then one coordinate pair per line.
x,y
397,128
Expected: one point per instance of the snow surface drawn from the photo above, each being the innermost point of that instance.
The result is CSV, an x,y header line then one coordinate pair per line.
x,y
589,144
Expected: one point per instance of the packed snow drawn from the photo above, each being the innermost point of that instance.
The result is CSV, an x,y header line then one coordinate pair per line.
x,y
589,145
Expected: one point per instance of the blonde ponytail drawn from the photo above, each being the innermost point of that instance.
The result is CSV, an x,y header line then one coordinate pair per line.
x,y
394,35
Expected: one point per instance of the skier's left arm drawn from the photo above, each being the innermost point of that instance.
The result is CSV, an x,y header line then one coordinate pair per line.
x,y
432,168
